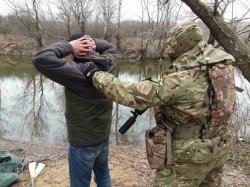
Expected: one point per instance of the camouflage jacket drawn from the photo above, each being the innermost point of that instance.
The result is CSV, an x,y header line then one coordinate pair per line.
x,y
182,95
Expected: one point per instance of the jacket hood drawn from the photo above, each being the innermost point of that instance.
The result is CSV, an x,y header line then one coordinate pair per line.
x,y
201,55
183,38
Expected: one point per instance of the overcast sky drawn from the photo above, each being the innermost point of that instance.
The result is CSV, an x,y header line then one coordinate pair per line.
x,y
131,9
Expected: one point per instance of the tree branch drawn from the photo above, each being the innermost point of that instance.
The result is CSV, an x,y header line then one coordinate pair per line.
x,y
7,45
224,34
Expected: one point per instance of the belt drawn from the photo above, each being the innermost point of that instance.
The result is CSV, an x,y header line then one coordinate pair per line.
x,y
187,131
192,131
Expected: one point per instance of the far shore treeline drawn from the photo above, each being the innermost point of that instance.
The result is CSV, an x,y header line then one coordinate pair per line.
x,y
35,24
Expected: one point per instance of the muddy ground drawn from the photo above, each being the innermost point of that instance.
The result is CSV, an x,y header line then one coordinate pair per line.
x,y
128,165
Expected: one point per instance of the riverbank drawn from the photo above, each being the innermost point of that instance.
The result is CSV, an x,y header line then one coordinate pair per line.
x,y
128,165
19,45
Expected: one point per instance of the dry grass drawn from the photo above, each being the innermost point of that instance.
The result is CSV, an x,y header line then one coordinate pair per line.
x,y
128,165
16,45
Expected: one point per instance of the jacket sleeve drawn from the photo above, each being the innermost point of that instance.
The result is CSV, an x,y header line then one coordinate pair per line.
x,y
107,50
51,63
140,95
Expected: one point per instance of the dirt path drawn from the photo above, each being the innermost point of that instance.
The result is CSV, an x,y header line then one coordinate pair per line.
x,y
128,166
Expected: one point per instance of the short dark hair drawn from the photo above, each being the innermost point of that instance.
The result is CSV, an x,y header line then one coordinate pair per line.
x,y
75,36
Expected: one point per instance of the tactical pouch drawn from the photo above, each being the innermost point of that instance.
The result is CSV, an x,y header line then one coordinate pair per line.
x,y
158,147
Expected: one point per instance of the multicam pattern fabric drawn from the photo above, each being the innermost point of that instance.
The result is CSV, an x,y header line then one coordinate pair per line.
x,y
167,91
224,99
183,38
177,107
221,73
183,100
156,141
197,163
181,95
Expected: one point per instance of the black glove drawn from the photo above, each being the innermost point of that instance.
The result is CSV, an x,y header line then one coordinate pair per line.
x,y
88,69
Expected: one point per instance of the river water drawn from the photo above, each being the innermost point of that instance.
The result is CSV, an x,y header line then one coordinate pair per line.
x,y
32,106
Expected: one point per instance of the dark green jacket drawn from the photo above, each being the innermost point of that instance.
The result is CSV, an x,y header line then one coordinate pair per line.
x,y
88,113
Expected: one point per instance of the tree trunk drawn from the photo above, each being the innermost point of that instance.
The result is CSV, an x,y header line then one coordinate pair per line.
x,y
105,19
68,26
83,26
118,27
38,37
225,36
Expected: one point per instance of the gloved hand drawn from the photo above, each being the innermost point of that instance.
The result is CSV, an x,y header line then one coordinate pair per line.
x,y
88,69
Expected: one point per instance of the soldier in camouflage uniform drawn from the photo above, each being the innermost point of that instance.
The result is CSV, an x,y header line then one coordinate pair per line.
x,y
193,108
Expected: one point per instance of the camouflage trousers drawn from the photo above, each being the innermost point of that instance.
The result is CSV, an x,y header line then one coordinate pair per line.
x,y
196,163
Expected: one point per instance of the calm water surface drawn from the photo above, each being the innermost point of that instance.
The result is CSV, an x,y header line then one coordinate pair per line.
x,y
32,106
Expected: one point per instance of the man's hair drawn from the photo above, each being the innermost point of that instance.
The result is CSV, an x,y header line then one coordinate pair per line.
x,y
75,37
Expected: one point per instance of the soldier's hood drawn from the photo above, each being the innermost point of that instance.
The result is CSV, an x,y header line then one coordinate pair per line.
x,y
201,55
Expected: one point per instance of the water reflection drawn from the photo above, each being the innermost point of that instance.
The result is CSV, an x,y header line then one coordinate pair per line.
x,y
32,106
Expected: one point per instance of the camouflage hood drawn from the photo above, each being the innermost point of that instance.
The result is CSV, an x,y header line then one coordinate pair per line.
x,y
202,54
187,48
183,38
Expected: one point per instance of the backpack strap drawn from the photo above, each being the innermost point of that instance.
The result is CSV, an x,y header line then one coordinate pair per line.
x,y
209,101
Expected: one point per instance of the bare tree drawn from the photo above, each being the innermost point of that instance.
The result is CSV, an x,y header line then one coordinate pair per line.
x,y
118,26
224,34
82,10
151,28
220,8
148,29
142,30
168,13
65,13
38,36
28,14
159,16
4,26
107,7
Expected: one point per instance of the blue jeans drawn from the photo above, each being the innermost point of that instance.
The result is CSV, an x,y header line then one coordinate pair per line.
x,y
82,160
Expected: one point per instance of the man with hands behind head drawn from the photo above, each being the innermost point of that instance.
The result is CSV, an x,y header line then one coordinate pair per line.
x,y
88,113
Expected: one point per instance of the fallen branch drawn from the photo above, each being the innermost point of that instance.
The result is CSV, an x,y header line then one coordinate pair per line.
x,y
18,49
7,46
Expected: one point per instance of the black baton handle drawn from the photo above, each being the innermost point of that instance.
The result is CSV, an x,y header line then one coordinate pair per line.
x,y
131,120
127,125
